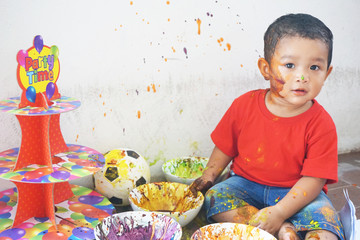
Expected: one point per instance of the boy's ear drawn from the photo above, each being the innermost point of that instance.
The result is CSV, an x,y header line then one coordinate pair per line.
x,y
264,68
329,71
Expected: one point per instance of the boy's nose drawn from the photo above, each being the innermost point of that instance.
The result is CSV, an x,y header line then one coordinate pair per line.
x,y
302,78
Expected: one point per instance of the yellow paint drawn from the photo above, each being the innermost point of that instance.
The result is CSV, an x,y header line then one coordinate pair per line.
x,y
123,169
166,197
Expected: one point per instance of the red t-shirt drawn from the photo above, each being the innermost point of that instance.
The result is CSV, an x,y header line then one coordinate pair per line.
x,y
277,151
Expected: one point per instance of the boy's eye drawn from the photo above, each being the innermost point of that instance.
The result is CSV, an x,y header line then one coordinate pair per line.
x,y
289,65
314,67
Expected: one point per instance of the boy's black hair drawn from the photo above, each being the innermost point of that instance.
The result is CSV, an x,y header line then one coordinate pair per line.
x,y
301,25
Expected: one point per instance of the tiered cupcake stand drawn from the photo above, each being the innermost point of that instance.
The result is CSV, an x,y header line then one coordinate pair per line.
x,y
44,205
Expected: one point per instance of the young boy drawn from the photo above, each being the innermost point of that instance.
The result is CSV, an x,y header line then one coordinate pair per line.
x,y
282,142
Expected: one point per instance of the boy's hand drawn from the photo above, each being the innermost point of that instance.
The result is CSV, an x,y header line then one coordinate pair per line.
x,y
201,184
269,219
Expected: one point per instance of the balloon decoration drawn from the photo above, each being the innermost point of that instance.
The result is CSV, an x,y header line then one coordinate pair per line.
x,y
38,43
50,89
31,94
20,57
54,51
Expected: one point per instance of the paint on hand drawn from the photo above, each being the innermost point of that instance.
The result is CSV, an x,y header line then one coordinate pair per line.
x,y
165,197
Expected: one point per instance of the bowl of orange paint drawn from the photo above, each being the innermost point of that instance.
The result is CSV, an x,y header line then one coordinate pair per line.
x,y
138,225
169,198
229,231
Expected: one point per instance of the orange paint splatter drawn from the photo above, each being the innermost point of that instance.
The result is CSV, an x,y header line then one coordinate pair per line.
x,y
173,49
241,65
77,137
138,114
168,19
103,103
100,95
228,45
93,129
165,59
167,2
153,87
220,40
198,21
131,2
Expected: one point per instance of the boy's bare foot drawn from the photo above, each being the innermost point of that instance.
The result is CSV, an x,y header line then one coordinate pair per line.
x,y
287,232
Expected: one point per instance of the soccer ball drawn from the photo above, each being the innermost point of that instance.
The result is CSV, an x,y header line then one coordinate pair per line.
x,y
124,170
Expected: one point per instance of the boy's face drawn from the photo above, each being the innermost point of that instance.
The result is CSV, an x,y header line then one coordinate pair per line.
x,y
297,71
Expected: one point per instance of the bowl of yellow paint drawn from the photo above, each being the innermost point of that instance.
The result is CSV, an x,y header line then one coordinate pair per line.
x,y
138,225
187,169
168,198
228,231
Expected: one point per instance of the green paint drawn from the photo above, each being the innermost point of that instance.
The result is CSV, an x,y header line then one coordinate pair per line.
x,y
157,158
194,146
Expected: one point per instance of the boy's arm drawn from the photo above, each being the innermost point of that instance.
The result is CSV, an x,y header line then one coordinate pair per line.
x,y
216,164
300,195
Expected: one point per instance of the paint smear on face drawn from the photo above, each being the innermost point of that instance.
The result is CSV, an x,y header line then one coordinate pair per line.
x,y
198,21
165,197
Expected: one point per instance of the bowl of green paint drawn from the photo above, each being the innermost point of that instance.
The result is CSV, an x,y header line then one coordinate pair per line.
x,y
184,169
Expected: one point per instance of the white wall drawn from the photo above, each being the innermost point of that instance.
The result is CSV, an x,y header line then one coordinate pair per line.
x,y
111,52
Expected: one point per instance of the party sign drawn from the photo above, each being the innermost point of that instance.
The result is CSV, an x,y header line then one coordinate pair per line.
x,y
37,73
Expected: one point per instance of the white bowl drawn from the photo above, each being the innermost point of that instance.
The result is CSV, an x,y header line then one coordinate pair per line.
x,y
169,198
222,231
187,169
138,224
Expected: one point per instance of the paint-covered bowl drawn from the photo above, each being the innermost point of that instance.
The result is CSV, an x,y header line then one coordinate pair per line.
x,y
187,169
226,231
169,198
138,225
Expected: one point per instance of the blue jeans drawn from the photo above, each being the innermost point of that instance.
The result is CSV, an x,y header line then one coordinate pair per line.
x,y
235,191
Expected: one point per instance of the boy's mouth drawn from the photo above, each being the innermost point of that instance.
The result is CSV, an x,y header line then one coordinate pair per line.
x,y
299,91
